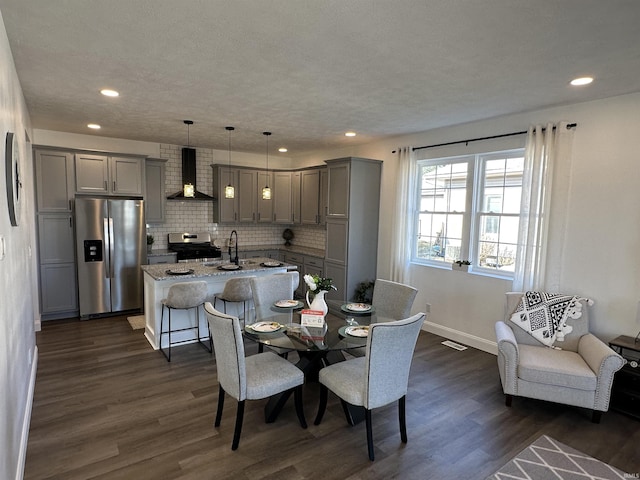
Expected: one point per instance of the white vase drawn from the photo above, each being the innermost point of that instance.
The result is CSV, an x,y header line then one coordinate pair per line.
x,y
318,302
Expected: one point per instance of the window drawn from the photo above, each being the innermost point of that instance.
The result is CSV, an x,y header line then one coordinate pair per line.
x,y
469,208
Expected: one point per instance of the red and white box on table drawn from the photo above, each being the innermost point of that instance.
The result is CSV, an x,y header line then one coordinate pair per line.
x,y
312,318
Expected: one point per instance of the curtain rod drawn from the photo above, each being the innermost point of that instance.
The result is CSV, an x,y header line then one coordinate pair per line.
x,y
569,126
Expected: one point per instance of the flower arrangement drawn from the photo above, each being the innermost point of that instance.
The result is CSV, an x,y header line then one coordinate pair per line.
x,y
317,283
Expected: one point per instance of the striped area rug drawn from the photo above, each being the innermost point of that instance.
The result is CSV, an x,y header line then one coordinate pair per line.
x,y
548,459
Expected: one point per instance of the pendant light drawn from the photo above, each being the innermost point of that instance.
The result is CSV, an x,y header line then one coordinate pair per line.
x,y
188,189
266,191
229,191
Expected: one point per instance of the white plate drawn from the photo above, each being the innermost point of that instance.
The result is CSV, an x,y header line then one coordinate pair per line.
x,y
357,330
272,264
180,271
229,267
265,327
286,303
358,307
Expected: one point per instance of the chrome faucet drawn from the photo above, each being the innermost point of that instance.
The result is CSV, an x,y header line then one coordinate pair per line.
x,y
231,259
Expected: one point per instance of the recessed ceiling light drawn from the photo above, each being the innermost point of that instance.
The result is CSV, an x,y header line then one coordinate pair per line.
x,y
283,150
581,81
350,134
94,126
109,93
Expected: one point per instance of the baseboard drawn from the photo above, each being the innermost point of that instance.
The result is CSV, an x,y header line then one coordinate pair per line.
x,y
461,337
26,421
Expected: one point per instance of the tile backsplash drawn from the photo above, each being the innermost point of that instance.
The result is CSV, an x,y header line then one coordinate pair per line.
x,y
197,216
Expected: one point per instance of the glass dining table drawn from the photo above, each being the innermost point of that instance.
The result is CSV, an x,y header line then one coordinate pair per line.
x,y
280,329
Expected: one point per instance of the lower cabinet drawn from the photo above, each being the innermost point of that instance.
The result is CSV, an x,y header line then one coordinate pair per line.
x,y
58,289
157,259
307,265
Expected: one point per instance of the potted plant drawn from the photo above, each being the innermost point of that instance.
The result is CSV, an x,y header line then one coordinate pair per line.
x,y
150,241
461,265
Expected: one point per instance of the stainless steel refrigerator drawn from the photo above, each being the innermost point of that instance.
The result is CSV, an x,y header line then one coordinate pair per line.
x,y
111,246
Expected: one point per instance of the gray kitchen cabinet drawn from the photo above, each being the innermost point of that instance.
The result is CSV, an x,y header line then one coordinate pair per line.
x,y
247,194
105,175
296,200
154,195
158,259
54,171
57,267
264,207
225,210
282,197
310,197
297,260
351,225
324,195
339,184
58,290
313,266
55,238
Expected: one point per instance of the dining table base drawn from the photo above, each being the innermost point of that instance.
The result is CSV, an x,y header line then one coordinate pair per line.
x,y
311,363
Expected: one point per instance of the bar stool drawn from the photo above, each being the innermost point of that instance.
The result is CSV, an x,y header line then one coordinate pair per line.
x,y
184,296
236,290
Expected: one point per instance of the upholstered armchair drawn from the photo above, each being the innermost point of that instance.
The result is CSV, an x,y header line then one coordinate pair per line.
x,y
580,373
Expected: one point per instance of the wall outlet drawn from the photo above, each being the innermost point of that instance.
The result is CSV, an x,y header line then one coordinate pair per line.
x,y
2,247
427,308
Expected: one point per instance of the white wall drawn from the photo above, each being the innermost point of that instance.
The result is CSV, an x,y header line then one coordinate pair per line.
x,y
18,354
602,235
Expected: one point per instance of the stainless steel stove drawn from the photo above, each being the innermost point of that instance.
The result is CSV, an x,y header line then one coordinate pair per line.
x,y
193,247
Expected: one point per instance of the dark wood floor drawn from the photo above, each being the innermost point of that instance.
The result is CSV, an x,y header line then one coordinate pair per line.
x,y
107,406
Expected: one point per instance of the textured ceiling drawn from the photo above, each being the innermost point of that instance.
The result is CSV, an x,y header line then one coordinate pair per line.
x,y
310,70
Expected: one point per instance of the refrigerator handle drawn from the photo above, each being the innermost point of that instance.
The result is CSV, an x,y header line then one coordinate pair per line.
x,y
111,249
105,236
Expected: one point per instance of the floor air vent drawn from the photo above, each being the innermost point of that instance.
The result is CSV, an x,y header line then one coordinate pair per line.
x,y
454,345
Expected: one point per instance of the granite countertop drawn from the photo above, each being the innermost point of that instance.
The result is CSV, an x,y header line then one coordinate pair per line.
x,y
209,269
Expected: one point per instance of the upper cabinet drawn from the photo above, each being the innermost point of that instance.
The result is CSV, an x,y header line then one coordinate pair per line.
x,y
264,207
225,210
154,194
109,175
310,197
297,196
283,197
338,190
54,181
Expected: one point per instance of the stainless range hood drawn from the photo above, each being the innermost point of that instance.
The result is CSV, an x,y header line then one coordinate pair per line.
x,y
189,176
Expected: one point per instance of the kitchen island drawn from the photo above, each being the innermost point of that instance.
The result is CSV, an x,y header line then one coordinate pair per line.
x,y
158,279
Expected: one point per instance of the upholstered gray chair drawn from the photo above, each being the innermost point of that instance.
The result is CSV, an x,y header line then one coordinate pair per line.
x,y
378,378
251,378
236,290
580,374
392,299
184,296
268,289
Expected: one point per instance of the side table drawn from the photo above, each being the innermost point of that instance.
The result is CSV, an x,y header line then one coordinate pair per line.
x,y
625,393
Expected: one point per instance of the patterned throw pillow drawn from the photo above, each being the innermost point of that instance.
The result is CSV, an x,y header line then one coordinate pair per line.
x,y
544,315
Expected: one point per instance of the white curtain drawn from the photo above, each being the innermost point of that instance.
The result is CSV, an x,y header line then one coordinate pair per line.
x,y
402,224
547,150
